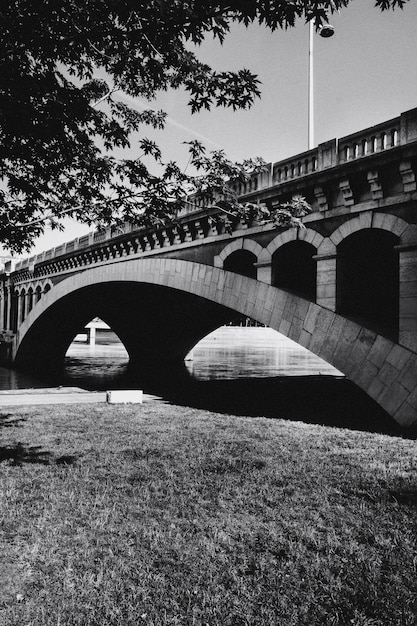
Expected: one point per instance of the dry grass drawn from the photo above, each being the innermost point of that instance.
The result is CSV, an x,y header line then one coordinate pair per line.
x,y
167,515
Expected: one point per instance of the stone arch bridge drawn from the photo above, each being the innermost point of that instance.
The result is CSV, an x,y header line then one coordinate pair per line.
x,y
345,286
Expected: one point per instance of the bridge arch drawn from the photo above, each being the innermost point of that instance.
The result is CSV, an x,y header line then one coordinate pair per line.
x,y
367,270
294,234
240,256
238,244
369,219
22,294
24,298
39,285
38,292
386,371
367,280
30,296
293,261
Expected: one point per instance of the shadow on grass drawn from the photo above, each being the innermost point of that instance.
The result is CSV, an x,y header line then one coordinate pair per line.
x,y
19,454
8,420
407,497
326,400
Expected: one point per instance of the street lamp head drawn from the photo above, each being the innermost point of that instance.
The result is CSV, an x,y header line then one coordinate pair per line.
x,y
326,31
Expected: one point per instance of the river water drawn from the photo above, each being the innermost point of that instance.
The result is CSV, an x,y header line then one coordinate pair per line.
x,y
230,352
238,370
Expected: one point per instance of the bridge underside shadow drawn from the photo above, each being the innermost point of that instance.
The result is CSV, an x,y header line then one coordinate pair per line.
x,y
157,325
160,308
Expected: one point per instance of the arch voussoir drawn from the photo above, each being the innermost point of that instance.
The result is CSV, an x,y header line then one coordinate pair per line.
x,y
369,219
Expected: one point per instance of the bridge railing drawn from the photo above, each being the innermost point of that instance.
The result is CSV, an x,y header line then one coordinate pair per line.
x,y
386,136
376,139
395,132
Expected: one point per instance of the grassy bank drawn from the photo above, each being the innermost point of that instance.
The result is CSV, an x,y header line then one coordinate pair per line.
x,y
169,515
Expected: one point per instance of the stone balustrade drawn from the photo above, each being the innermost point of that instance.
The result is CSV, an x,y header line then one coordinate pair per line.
x,y
391,134
193,223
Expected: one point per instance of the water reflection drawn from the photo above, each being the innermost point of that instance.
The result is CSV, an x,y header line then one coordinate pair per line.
x,y
241,371
234,352
13,379
95,367
228,353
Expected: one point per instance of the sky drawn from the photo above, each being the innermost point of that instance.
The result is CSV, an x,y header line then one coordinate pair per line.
x,y
365,74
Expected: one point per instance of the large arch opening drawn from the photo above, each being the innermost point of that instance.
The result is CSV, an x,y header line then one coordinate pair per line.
x,y
236,352
157,325
294,269
241,262
160,310
368,280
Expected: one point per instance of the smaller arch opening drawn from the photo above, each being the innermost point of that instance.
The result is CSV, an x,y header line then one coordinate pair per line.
x,y
241,262
15,295
22,298
30,297
368,280
295,269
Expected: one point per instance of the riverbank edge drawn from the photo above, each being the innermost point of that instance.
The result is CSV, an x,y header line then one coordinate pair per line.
x,y
67,395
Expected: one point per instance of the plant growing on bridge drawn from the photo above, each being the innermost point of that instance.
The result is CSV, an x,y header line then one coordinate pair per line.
x,y
218,187
63,126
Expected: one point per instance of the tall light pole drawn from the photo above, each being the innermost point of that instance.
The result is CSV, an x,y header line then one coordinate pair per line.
x,y
325,31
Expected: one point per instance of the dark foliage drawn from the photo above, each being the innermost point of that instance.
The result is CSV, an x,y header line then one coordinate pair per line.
x,y
62,65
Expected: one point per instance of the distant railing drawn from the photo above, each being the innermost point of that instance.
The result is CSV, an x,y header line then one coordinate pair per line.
x,y
99,236
297,166
83,241
194,204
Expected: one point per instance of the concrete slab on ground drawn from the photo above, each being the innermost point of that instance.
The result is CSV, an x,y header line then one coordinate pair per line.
x,y
53,395
57,395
